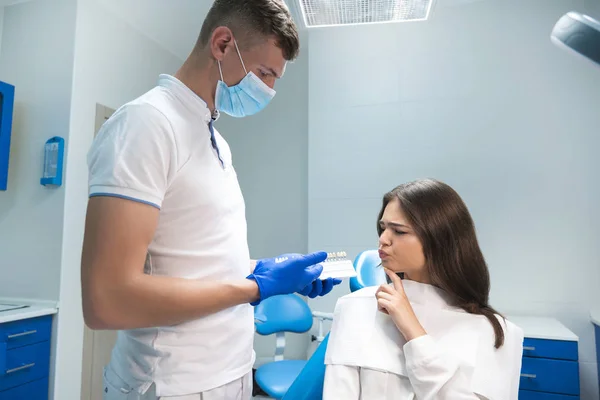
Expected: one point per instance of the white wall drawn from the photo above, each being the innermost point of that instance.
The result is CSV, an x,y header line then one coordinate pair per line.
x,y
37,57
1,26
270,156
480,98
113,64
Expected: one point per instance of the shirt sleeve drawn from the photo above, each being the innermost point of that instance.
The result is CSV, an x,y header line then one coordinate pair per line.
x,y
134,156
434,375
341,382
515,337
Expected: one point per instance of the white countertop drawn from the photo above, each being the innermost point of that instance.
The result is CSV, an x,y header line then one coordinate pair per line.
x,y
36,308
543,328
595,316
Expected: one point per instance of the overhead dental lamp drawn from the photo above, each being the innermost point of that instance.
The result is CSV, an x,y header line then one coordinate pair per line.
x,y
580,34
329,13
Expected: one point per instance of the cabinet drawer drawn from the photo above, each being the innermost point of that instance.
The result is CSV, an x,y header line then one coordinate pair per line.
x,y
529,395
553,376
25,364
36,390
556,349
27,331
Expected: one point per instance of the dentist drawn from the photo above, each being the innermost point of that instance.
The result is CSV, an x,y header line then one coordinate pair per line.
x,y
165,254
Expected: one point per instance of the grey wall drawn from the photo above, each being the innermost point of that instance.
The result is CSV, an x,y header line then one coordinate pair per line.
x,y
480,98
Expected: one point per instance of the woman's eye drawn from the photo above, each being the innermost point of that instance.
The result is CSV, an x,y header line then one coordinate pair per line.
x,y
400,232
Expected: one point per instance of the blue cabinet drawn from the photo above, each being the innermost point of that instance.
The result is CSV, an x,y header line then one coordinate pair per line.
x,y
7,98
25,358
550,365
595,316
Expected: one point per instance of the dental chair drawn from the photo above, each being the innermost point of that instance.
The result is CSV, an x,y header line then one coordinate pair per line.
x,y
368,271
277,315
299,379
309,384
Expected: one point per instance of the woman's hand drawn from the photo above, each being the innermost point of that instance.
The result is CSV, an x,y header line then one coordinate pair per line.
x,y
392,300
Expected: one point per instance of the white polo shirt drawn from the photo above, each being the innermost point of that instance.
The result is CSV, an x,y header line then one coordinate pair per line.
x,y
157,150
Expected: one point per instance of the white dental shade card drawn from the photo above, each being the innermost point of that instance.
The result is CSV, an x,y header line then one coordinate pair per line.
x,y
337,265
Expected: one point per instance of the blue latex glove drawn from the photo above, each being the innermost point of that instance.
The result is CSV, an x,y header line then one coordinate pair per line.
x,y
288,273
320,287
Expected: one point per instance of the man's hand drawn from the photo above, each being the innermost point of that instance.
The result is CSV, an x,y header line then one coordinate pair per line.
x,y
286,274
320,287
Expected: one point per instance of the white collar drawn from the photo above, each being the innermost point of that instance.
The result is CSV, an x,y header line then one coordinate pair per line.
x,y
362,336
422,293
190,99
417,293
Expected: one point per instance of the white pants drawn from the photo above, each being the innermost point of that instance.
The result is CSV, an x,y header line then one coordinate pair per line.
x,y
114,388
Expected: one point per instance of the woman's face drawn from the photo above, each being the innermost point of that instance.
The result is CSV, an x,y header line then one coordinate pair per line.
x,y
400,249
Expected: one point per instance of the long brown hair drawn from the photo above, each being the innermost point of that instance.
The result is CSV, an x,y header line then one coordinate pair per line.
x,y
446,231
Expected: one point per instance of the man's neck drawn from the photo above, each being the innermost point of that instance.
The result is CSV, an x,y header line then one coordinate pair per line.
x,y
200,79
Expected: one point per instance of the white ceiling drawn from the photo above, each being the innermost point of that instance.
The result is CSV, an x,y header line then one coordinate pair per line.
x,y
173,24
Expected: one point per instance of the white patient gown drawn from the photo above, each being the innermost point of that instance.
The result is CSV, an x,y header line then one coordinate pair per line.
x,y
368,359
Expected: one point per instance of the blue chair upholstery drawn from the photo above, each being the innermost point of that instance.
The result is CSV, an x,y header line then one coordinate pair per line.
x,y
368,270
309,383
277,315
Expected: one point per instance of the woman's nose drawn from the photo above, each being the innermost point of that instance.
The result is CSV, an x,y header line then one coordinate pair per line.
x,y
384,238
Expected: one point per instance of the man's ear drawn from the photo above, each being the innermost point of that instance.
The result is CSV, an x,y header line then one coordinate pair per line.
x,y
220,42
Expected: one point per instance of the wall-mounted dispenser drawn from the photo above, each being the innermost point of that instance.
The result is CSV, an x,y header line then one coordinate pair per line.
x,y
53,162
7,98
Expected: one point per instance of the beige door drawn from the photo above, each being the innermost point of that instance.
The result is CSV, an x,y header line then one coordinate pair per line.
x,y
97,345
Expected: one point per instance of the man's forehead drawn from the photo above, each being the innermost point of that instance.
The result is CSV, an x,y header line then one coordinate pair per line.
x,y
273,57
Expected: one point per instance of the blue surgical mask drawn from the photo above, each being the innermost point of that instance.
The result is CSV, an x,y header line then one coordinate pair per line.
x,y
248,97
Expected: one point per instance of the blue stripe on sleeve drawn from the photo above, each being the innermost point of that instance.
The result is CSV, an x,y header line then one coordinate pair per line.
x,y
125,197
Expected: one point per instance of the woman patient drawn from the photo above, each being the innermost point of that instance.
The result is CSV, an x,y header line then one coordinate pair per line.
x,y
430,333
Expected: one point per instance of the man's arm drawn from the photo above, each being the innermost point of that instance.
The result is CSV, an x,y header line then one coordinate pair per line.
x,y
116,292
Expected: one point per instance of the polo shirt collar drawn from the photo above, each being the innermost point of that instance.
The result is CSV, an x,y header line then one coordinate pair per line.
x,y
187,96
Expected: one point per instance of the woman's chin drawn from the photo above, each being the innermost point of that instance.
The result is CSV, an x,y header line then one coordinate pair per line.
x,y
389,265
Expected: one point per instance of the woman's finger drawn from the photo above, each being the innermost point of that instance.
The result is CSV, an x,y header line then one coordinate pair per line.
x,y
383,310
387,289
384,304
380,288
385,296
395,280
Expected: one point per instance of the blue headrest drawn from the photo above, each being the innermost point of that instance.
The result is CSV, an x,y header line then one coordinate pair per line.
x,y
368,269
282,313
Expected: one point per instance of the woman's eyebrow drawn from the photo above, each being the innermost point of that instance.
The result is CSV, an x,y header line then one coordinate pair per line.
x,y
396,224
